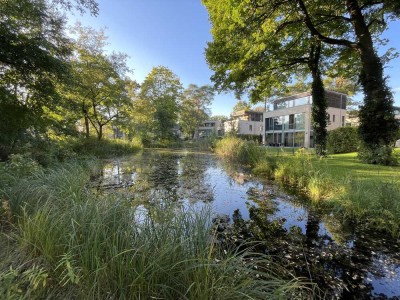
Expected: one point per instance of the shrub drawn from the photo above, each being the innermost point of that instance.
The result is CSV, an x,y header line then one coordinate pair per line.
x,y
381,155
343,140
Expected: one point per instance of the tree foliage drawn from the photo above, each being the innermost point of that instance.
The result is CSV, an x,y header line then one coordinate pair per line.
x,y
253,48
195,107
162,90
261,44
241,105
100,80
360,23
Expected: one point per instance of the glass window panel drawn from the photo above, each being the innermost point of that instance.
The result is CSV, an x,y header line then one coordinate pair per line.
x,y
299,121
301,101
291,121
278,123
299,139
286,122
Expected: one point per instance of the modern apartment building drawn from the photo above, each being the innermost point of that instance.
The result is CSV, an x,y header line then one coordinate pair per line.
x,y
289,123
209,128
245,122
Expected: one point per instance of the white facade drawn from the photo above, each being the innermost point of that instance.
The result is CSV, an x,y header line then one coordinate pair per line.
x,y
289,124
209,128
245,122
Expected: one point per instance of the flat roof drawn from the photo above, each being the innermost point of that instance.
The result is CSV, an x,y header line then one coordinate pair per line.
x,y
303,94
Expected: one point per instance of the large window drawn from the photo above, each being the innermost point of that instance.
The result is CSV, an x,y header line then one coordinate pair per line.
x,y
278,123
300,121
291,122
292,103
302,101
288,122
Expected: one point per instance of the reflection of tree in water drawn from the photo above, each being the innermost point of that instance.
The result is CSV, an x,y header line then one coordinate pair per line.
x,y
171,177
339,270
193,184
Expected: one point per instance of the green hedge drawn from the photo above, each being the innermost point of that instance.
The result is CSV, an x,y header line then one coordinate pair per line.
x,y
343,140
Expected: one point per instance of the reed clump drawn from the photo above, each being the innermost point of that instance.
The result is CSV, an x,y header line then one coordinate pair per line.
x,y
238,150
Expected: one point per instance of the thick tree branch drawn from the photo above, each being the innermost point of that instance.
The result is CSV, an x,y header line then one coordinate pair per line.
x,y
370,3
320,36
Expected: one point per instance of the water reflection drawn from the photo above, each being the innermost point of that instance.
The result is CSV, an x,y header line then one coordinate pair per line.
x,y
345,260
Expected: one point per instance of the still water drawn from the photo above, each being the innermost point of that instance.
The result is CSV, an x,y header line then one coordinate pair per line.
x,y
346,261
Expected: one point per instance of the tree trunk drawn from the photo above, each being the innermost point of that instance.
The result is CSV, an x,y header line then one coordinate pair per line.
x,y
85,115
100,132
87,127
377,123
319,104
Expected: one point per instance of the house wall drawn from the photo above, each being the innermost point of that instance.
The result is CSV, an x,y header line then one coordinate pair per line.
x,y
250,127
340,118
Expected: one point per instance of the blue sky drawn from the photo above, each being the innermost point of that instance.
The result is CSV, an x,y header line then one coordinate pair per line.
x,y
174,33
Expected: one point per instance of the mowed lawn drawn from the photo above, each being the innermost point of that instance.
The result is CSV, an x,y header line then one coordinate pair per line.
x,y
347,165
342,166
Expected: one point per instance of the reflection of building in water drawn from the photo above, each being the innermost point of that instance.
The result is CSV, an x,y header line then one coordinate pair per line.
x,y
289,123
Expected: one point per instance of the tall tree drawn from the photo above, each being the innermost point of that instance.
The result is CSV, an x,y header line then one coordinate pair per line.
x,y
259,46
360,21
100,80
342,27
163,91
241,105
195,107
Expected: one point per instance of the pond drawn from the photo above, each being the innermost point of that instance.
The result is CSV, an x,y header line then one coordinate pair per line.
x,y
346,261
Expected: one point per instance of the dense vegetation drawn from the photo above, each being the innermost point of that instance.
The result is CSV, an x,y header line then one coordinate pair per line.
x,y
62,239
56,88
366,194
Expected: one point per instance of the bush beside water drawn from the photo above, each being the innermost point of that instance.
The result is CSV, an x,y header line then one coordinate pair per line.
x,y
66,241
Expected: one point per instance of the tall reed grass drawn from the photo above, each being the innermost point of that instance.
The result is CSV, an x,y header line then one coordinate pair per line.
x,y
92,246
376,202
238,150
106,148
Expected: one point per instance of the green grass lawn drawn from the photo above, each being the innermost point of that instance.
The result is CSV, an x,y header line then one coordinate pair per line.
x,y
340,166
348,165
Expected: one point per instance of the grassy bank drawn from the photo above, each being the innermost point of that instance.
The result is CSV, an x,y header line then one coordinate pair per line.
x,y
367,194
61,239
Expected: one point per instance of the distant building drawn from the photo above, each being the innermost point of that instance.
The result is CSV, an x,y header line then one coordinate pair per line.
x,y
245,122
209,128
397,114
289,124
353,120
